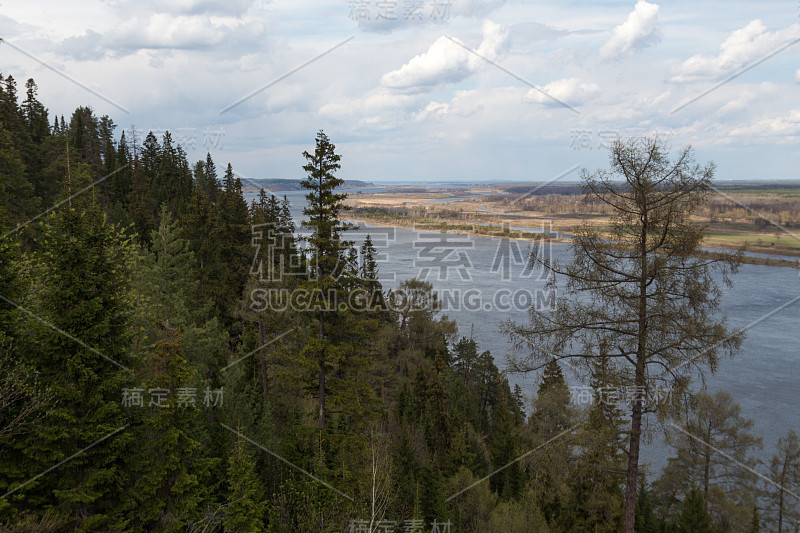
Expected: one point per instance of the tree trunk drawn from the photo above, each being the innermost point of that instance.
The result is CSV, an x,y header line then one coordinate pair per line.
x,y
707,467
633,457
780,497
632,477
262,340
321,335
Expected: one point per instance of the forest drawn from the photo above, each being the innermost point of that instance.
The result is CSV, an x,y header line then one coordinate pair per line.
x,y
142,390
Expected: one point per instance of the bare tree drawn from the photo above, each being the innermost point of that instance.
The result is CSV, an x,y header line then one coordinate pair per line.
x,y
381,470
22,399
636,291
782,493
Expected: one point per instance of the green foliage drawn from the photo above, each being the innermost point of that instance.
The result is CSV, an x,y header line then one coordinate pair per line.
x,y
694,517
714,424
168,462
76,338
246,506
782,509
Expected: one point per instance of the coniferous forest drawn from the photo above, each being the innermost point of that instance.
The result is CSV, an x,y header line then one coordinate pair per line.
x,y
145,385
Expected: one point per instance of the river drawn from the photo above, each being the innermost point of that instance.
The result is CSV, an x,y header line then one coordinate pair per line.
x,y
479,278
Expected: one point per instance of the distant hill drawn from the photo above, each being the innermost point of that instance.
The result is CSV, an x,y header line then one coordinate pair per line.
x,y
283,184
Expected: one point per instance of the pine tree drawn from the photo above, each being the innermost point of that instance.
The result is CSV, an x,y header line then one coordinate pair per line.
x,y
549,468
694,518
172,291
646,521
596,477
17,196
234,245
120,186
168,462
35,114
327,248
246,505
143,204
79,285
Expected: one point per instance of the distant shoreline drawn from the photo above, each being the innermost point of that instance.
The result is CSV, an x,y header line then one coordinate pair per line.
x,y
707,252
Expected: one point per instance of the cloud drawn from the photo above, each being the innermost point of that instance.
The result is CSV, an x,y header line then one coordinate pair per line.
x,y
12,28
163,31
568,90
379,102
447,62
388,16
741,47
784,125
529,32
433,109
747,97
639,31
194,7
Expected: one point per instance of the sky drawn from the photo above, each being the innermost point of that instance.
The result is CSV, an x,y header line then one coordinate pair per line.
x,y
408,90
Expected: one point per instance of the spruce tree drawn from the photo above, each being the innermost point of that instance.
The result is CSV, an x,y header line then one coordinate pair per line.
x,y
327,249
234,245
77,340
168,463
246,505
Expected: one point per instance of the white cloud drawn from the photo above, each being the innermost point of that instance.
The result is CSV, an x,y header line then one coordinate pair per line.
x,y
433,109
378,102
163,31
747,97
741,47
568,90
784,125
797,75
446,61
639,31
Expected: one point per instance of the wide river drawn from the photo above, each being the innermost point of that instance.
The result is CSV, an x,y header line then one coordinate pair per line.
x,y
483,282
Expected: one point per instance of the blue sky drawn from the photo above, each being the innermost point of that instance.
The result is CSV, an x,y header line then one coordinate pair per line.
x,y
425,91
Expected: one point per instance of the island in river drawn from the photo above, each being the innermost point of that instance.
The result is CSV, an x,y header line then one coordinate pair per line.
x,y
764,218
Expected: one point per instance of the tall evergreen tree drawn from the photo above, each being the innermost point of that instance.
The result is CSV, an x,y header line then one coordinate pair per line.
x,y
168,462
246,505
327,245
79,344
